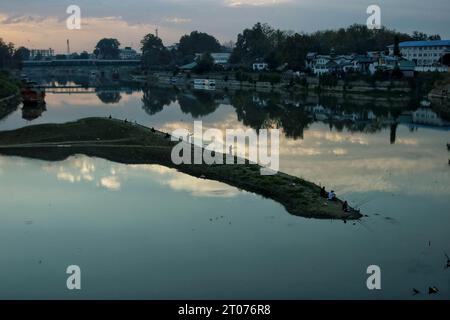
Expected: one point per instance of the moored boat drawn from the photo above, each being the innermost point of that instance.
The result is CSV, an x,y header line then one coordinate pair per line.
x,y
31,94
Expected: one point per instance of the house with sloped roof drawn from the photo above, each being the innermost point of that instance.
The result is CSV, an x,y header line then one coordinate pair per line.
x,y
322,64
407,68
189,66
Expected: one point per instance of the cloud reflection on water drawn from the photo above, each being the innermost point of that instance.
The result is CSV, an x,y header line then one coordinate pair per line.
x,y
110,176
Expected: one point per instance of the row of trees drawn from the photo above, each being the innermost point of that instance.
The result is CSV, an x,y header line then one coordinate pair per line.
x,y
154,53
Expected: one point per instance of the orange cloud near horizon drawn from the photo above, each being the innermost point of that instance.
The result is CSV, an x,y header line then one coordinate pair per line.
x,y
35,32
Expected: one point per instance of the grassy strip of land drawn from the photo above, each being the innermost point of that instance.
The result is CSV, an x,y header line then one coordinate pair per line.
x,y
129,143
8,87
9,95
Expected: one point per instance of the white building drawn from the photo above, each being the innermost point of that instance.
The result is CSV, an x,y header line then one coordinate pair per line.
x,y
43,53
128,54
322,64
423,53
427,116
220,58
260,66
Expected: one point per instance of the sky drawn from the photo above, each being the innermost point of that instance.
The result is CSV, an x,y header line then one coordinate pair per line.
x,y
42,23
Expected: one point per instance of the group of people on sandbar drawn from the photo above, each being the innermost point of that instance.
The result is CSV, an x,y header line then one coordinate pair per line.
x,y
331,196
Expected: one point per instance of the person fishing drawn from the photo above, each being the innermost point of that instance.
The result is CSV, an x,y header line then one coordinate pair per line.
x,y
323,193
332,196
345,207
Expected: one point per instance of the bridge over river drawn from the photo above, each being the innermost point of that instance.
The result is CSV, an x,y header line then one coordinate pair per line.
x,y
80,63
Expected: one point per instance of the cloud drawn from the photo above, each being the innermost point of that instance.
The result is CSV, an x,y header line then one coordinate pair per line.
x,y
255,3
78,169
177,20
51,32
182,182
339,152
110,183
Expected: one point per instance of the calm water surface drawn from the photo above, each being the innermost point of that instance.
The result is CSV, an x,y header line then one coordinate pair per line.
x,y
149,232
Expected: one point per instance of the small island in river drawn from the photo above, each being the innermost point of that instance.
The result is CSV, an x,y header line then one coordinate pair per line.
x,y
130,143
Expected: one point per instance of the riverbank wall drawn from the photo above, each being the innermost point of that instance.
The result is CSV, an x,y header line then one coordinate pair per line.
x,y
229,81
8,105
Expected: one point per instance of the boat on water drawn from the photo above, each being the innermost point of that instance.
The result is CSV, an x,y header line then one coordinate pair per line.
x,y
425,103
31,94
204,84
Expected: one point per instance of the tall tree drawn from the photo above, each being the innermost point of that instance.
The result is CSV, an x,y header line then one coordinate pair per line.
x,y
6,54
434,37
22,54
294,50
198,42
255,43
108,48
153,52
204,64
419,36
397,47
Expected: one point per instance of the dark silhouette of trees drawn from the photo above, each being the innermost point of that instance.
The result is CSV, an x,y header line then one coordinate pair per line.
x,y
11,58
155,99
198,104
22,54
153,52
109,97
6,54
397,47
107,49
255,43
84,55
446,59
198,42
204,64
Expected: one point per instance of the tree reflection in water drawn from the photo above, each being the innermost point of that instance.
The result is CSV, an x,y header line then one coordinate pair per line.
x,y
109,97
155,99
290,112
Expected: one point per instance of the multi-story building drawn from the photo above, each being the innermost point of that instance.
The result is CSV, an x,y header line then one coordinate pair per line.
x,y
220,58
322,64
260,66
423,53
128,54
41,53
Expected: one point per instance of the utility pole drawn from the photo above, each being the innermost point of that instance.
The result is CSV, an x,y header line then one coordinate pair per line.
x,y
68,47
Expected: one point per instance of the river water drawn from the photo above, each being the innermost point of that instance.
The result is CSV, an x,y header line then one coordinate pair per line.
x,y
148,232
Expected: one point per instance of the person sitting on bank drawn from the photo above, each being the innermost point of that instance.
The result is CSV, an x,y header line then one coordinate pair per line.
x,y
323,193
345,207
332,196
